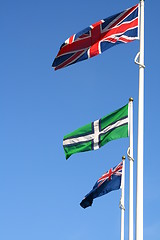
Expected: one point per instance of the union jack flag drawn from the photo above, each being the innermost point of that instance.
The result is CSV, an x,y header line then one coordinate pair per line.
x,y
109,181
108,175
100,36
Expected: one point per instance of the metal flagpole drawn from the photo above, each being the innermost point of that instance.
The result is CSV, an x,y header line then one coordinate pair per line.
x,y
130,157
121,205
139,200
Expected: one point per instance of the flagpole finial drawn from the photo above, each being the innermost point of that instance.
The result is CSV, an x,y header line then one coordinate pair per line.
x,y
130,99
123,157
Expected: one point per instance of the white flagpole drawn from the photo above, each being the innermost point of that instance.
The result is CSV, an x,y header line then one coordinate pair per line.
x,y
139,200
130,157
122,198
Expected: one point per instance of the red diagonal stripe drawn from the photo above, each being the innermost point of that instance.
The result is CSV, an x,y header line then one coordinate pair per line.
x,y
120,29
69,60
128,12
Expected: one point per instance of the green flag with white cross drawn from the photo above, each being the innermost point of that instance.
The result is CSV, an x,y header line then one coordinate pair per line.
x,y
96,134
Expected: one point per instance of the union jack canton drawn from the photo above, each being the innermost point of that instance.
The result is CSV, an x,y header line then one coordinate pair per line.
x,y
109,181
100,36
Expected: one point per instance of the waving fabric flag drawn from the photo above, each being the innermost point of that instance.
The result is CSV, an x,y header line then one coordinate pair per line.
x,y
109,181
96,134
100,36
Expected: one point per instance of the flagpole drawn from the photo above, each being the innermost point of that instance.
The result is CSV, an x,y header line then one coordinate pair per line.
x,y
130,157
139,199
122,198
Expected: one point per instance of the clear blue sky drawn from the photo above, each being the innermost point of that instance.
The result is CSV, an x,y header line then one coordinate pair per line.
x,y
40,191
